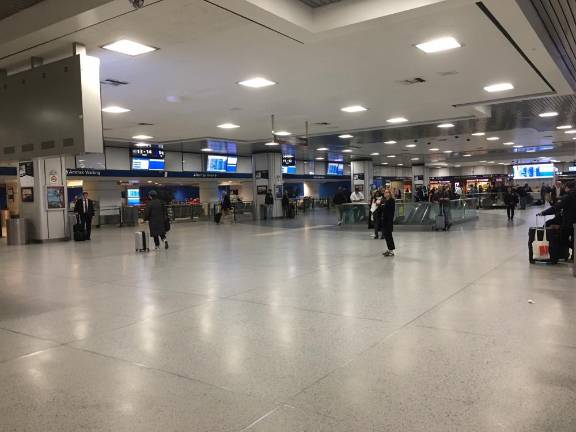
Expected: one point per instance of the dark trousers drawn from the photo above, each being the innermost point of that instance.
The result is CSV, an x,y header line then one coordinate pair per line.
x,y
86,222
567,237
510,211
157,239
387,233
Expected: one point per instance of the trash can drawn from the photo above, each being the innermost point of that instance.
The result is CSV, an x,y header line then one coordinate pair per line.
x,y
129,216
17,232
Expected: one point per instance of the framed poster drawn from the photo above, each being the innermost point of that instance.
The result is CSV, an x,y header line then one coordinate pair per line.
x,y
55,199
26,174
261,189
27,194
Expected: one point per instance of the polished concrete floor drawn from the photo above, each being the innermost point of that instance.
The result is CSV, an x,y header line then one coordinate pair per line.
x,y
292,326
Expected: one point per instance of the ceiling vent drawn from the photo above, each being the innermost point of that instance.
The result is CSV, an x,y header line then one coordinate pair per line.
x,y
412,81
113,82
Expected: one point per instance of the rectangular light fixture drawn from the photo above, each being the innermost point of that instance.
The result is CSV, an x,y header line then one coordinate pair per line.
x,y
396,120
439,45
410,145
509,143
129,47
564,127
353,109
467,155
257,82
271,144
374,154
142,137
548,114
433,149
414,159
492,138
391,156
115,110
447,151
479,134
228,126
495,88
322,149
570,132
346,136
445,125
347,151
282,133
389,142
206,149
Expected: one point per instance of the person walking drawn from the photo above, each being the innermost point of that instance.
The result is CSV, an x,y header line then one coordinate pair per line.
x,y
388,210
156,215
84,208
339,200
269,202
285,204
510,201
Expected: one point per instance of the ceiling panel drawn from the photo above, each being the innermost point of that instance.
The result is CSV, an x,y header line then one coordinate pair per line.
x,y
11,7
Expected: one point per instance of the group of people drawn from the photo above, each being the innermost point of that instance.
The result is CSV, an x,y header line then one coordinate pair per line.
x,y
563,208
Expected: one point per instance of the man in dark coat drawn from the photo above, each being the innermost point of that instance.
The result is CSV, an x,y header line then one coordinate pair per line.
x,y
157,217
566,206
84,208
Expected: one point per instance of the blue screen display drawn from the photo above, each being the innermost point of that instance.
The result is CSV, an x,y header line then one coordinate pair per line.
x,y
156,165
289,170
143,164
232,164
133,196
336,169
533,171
217,163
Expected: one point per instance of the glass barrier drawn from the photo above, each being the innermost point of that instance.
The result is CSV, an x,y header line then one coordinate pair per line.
x,y
415,213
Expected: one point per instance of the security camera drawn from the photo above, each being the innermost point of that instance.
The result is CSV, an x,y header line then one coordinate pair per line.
x,y
136,4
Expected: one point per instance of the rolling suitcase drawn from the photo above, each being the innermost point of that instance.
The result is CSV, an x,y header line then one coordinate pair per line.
x,y
550,238
141,241
217,217
440,223
291,211
79,233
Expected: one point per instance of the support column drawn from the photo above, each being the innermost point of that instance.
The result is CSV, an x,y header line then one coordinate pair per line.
x,y
48,212
267,170
362,175
208,191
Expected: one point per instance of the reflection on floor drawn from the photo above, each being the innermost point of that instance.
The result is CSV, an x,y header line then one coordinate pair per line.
x,y
291,326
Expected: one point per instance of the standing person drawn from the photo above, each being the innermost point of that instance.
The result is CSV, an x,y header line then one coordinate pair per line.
x,y
226,203
567,206
339,200
510,201
356,196
444,203
285,204
387,212
157,216
269,201
376,209
84,208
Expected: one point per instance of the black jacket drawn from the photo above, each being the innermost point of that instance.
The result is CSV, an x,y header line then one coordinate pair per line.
x,y
79,208
269,198
511,199
387,212
340,198
156,215
567,205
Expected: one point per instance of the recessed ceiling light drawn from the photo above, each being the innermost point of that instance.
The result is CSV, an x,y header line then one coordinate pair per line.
x,y
347,151
206,149
396,120
271,144
549,114
457,166
518,146
257,82
438,45
384,163
467,155
447,151
501,163
573,131
228,126
391,156
353,109
564,127
410,145
374,154
389,142
483,161
115,110
415,159
445,125
282,133
345,136
149,181
433,149
319,158
479,134
129,47
142,144
142,137
509,143
322,149
493,138
494,88
400,164
492,162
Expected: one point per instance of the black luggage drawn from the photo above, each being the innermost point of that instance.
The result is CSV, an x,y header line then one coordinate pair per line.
x,y
557,250
217,217
291,211
78,230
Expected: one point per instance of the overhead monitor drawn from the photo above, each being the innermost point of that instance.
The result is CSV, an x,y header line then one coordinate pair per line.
x,y
535,171
144,164
336,169
232,164
217,163
133,196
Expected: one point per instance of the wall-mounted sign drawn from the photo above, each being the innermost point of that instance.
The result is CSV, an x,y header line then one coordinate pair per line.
x,y
261,189
27,194
53,177
359,176
26,174
261,174
55,199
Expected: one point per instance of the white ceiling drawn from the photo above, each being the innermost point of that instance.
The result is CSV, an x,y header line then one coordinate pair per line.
x,y
188,87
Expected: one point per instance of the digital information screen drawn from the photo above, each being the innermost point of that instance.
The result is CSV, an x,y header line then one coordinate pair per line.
x,y
217,163
289,169
133,196
536,171
141,164
336,169
232,164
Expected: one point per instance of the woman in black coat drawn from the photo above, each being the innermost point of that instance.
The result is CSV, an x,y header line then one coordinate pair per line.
x,y
510,200
387,212
157,216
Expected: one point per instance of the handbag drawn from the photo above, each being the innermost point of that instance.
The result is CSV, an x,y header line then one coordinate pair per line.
x,y
541,248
